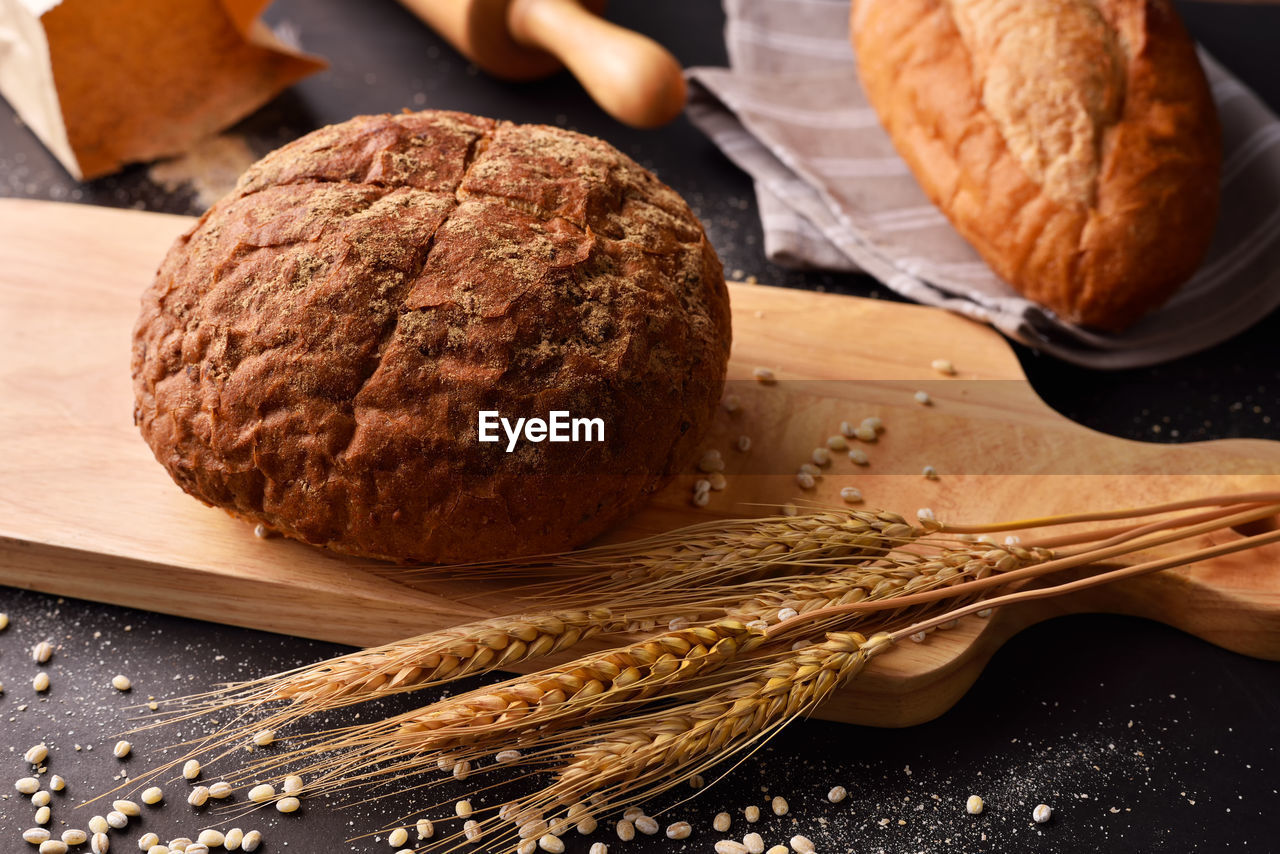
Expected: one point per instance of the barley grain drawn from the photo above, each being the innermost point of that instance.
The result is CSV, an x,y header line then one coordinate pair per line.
x,y
41,682
292,784
777,849
802,844
551,844
251,841
152,795
398,837
851,495
461,769
730,846
837,794
191,769
98,824
121,682
780,805
864,433
943,366
264,737
598,848
27,785
718,481
42,652
41,799
199,796
532,829
100,843
711,461
212,838
721,822
587,825
463,809
527,846
220,790
122,749
765,376
35,835
922,398
1042,813
37,754
505,756
858,457
53,846
821,457
233,839
196,848
743,444
472,831
4,622
146,840
804,480
261,793
288,805
56,783
837,443
974,805
626,830
752,814
731,403
754,843
117,819
425,828
679,830
43,815
930,472
646,825
129,808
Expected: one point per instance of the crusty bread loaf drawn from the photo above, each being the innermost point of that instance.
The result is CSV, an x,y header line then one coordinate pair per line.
x,y
314,352
1074,143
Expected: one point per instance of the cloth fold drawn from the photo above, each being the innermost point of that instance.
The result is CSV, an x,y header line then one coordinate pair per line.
x,y
833,193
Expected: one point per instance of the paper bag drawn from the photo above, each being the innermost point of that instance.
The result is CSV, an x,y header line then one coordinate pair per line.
x,y
103,83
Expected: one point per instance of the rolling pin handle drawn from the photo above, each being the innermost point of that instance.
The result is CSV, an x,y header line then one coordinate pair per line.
x,y
632,77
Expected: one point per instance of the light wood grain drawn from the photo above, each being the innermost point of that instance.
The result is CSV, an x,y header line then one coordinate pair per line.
x,y
631,76
86,512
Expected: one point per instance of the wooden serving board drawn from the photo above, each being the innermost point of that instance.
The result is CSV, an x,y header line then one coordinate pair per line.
x,y
86,512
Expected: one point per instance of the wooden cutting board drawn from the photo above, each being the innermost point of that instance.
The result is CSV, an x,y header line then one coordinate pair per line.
x,y
86,512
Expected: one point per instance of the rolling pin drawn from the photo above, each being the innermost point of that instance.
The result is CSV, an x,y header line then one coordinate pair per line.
x,y
632,77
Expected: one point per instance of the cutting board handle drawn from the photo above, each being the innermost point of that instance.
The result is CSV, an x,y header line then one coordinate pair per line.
x,y
635,79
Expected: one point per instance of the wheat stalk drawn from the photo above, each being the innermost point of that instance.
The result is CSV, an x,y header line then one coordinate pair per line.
x,y
717,552
685,559
629,723
469,725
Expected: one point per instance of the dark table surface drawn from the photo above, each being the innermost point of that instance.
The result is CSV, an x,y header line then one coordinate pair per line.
x,y
1143,739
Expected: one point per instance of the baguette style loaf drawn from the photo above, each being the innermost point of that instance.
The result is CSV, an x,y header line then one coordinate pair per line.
x,y
1073,143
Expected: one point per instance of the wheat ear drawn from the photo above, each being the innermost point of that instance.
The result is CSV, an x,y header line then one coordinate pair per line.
x,y
490,718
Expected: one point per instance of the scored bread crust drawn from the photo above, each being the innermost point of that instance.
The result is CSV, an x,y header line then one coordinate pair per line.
x,y
1073,143
313,352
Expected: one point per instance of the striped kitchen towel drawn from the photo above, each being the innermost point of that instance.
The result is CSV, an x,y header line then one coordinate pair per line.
x,y
833,194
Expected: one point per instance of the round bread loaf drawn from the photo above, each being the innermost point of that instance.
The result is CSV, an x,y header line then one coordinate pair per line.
x,y
315,352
